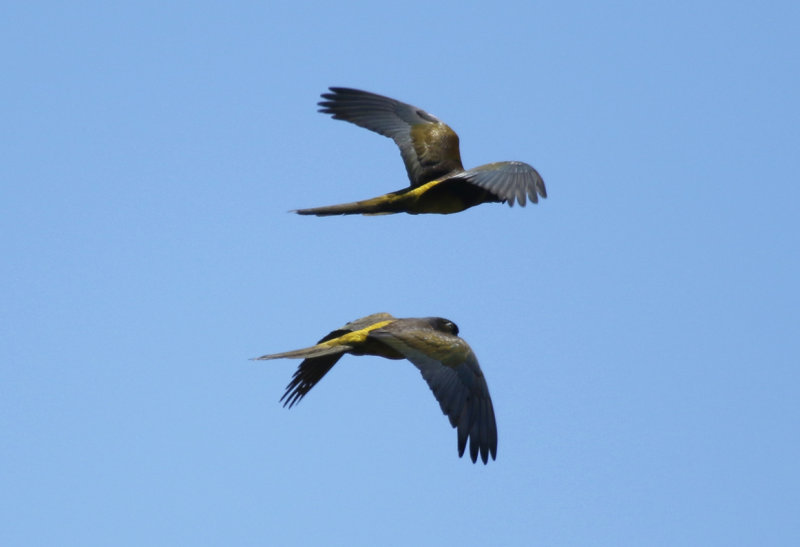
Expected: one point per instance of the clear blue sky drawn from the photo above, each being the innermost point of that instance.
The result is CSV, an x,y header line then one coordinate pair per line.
x,y
639,329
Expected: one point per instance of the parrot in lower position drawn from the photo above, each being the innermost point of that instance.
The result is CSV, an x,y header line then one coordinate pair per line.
x,y
446,362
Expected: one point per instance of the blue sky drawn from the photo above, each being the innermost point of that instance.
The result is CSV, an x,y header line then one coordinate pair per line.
x,y
638,329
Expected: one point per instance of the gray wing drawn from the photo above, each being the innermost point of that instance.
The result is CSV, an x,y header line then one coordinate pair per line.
x,y
451,370
428,146
359,324
508,180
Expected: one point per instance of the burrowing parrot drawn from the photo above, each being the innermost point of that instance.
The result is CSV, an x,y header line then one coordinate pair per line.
x,y
432,344
439,182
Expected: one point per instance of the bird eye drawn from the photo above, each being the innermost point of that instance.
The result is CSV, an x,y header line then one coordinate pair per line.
x,y
452,327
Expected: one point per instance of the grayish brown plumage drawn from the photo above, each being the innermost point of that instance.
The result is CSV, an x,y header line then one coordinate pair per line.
x,y
446,362
430,151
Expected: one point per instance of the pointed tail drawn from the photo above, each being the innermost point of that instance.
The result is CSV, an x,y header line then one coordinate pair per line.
x,y
381,205
320,350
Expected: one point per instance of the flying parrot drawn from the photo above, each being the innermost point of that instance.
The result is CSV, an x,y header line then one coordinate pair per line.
x,y
432,344
439,182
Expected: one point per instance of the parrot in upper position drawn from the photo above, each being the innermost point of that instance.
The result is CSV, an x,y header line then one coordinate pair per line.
x,y
439,182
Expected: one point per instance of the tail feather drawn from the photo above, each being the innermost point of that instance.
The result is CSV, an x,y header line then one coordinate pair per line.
x,y
319,350
381,205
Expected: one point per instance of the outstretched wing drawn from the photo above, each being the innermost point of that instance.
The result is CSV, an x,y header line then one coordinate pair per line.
x,y
306,376
508,180
428,146
451,369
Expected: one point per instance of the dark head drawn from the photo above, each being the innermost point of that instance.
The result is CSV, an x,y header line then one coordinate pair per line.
x,y
443,325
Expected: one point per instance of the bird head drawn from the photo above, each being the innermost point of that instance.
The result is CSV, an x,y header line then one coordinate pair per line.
x,y
444,325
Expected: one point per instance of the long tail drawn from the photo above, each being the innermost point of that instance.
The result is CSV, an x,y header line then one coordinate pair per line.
x,y
382,205
320,350
317,361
